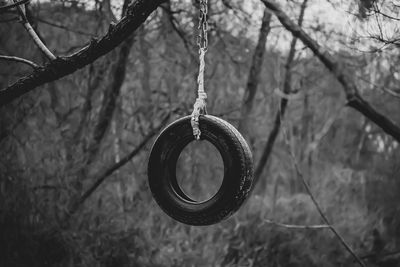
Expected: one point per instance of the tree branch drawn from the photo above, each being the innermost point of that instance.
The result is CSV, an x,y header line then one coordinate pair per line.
x,y
296,226
15,4
111,94
110,97
283,103
110,170
25,22
64,27
354,99
321,134
253,79
319,209
181,34
380,255
378,11
20,60
137,13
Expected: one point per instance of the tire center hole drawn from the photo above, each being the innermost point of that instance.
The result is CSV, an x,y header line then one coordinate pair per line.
x,y
200,170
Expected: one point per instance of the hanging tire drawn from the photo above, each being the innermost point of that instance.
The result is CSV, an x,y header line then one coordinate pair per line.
x,y
238,171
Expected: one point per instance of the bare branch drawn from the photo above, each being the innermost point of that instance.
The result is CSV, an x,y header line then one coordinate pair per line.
x,y
63,27
354,99
318,207
380,255
33,34
283,103
20,60
253,79
378,11
390,92
137,13
386,42
110,97
15,4
321,134
383,88
173,22
103,175
296,226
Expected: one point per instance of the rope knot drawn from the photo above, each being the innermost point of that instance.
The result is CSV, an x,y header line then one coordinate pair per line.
x,y
199,108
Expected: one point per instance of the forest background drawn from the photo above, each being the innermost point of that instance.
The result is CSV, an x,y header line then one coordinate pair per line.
x,y
73,152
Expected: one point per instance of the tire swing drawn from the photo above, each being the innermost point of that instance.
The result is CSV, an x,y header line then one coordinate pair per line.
x,y
235,153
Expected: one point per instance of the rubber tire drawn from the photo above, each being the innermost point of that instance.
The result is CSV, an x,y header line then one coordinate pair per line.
x,y
238,171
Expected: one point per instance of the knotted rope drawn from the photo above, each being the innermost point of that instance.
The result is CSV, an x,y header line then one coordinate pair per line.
x,y
199,106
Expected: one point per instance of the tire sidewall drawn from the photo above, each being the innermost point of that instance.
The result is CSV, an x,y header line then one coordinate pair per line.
x,y
237,171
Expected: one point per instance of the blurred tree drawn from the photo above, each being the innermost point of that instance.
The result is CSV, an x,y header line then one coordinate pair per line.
x,y
73,154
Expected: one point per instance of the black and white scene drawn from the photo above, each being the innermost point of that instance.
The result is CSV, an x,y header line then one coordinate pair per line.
x,y
199,133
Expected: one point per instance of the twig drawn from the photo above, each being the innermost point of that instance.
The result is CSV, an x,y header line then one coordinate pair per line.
x,y
254,76
33,34
390,92
63,27
383,87
381,255
323,216
21,60
103,176
321,134
16,3
353,97
180,33
295,226
378,11
287,89
110,97
319,209
137,13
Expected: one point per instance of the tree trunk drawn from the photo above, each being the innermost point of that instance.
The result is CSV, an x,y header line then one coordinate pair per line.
x,y
283,103
253,79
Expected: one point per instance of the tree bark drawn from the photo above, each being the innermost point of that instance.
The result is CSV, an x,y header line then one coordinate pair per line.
x,y
254,74
103,175
354,99
137,13
283,103
110,98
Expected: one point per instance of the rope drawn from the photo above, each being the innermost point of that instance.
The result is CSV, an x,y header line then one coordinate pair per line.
x,y
200,104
